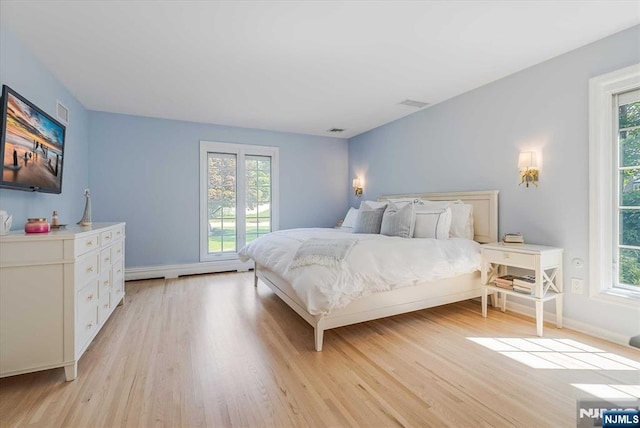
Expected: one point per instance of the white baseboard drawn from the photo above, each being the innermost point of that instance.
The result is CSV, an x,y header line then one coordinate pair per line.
x,y
174,271
571,323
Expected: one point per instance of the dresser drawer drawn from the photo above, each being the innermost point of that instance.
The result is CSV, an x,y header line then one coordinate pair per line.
x,y
104,308
87,296
106,237
87,267
118,270
104,283
87,243
117,292
105,259
116,250
118,232
87,312
509,258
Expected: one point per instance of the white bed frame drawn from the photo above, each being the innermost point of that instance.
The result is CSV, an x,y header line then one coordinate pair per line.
x,y
405,299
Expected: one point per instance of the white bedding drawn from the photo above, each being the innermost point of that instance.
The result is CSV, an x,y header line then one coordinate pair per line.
x,y
375,263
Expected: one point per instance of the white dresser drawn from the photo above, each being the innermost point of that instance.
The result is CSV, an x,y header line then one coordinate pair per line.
x,y
56,292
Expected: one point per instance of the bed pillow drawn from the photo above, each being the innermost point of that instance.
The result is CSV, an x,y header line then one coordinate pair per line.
x,y
398,221
432,222
369,219
350,219
461,217
401,202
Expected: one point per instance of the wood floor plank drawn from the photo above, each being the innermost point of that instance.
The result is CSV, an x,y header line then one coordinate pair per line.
x,y
213,351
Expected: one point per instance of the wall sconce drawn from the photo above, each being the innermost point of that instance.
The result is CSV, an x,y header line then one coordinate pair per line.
x,y
357,187
528,165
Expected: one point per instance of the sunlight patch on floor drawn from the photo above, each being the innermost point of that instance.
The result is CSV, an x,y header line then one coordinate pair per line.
x,y
557,354
610,391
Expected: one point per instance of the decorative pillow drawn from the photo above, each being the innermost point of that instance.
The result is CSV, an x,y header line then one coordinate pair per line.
x,y
374,204
369,219
350,219
432,223
398,221
461,217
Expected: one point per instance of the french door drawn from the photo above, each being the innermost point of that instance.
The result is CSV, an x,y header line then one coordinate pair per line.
x,y
239,195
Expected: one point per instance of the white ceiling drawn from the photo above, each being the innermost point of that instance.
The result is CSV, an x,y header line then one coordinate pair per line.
x,y
296,66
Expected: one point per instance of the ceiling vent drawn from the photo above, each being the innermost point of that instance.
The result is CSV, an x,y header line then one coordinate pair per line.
x,y
63,113
335,130
412,103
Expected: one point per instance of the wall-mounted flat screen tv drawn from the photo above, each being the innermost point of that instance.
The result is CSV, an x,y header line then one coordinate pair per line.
x,y
31,144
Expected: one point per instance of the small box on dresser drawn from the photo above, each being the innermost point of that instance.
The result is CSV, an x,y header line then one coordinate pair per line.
x,y
56,292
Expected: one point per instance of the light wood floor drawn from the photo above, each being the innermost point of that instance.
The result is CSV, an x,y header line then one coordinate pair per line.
x,y
214,351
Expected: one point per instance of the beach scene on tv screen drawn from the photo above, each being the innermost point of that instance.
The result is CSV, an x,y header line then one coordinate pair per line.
x,y
33,147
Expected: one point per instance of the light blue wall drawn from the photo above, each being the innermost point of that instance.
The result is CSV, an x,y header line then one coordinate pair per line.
x,y
145,171
472,142
23,73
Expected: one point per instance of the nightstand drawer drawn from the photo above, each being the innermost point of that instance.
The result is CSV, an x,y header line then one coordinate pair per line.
x,y
509,258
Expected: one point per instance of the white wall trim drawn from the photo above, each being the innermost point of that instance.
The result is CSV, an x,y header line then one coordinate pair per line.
x,y
174,271
570,323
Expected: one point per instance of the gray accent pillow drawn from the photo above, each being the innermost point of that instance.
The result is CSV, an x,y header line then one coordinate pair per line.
x,y
398,221
369,219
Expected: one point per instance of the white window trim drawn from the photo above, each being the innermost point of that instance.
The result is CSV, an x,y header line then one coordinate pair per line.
x,y
601,136
240,150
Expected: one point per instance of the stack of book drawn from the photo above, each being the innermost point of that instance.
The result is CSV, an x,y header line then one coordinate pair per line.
x,y
524,284
513,239
505,281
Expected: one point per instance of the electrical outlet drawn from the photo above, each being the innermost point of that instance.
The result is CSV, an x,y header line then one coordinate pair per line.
x,y
577,286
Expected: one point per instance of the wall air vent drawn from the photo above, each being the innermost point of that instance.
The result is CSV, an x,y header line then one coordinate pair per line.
x,y
336,130
62,113
413,103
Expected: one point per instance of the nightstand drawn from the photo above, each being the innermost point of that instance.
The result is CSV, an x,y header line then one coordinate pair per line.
x,y
546,262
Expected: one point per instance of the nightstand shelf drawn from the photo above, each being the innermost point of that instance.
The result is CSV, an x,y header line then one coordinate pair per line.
x,y
546,262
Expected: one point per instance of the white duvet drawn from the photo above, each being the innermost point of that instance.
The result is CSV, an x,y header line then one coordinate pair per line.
x,y
375,263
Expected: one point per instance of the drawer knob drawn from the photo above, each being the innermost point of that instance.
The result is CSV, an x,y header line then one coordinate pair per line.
x,y
90,269
106,283
106,306
90,297
107,237
106,259
89,326
89,243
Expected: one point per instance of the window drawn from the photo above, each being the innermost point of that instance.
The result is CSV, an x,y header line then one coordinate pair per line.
x,y
614,185
238,191
626,257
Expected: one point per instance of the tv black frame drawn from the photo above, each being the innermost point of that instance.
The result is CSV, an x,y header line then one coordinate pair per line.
x,y
6,90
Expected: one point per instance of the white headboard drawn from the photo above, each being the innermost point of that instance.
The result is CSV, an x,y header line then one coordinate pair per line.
x,y
485,209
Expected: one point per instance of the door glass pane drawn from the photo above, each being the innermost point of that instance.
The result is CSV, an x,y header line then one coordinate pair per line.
x,y
221,200
258,215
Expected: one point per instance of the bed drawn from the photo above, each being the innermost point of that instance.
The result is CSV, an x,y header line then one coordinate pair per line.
x,y
404,299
